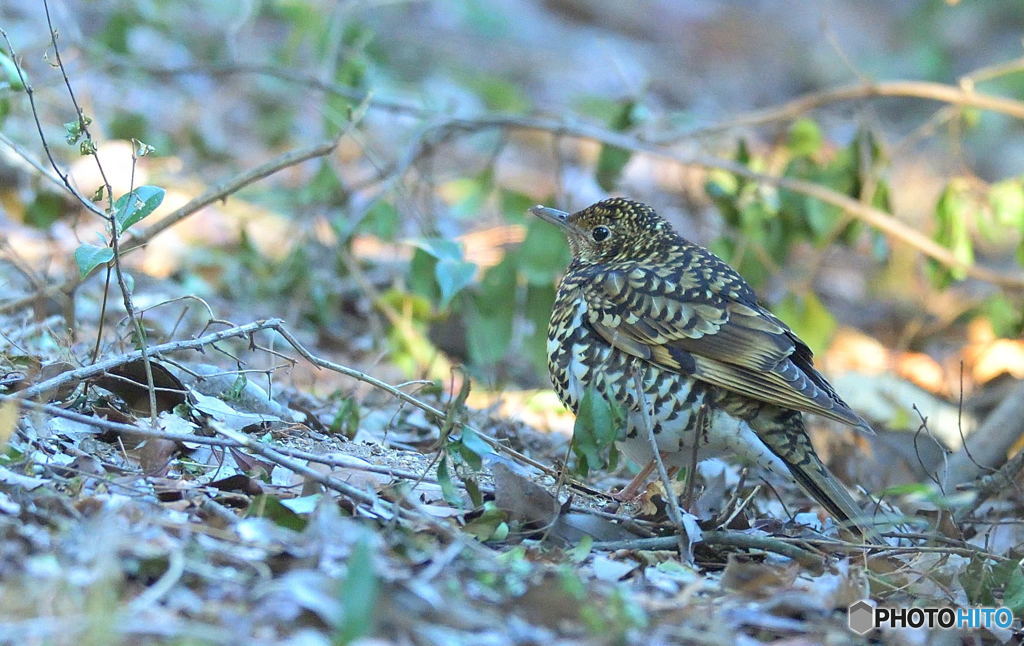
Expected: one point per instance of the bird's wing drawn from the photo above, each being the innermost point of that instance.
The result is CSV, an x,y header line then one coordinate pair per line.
x,y
709,325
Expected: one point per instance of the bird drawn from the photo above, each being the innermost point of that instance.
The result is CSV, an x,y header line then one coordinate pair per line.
x,y
677,338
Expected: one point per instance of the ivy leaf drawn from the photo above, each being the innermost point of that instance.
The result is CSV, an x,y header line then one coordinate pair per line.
x,y
472,448
89,257
451,272
1013,595
271,507
597,426
359,591
490,318
444,478
382,220
439,248
132,207
804,138
952,213
544,253
1007,201
539,301
613,159
10,69
452,276
809,318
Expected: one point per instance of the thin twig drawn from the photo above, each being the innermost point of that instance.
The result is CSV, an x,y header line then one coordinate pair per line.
x,y
65,181
229,186
992,484
98,368
92,370
437,414
866,213
721,539
672,503
691,476
872,216
331,459
217,192
950,94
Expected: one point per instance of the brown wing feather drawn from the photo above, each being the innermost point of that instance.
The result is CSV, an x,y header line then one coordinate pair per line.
x,y
719,336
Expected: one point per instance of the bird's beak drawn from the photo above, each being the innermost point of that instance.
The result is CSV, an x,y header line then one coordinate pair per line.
x,y
554,216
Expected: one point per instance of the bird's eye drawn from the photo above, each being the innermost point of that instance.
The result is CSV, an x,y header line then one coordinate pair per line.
x,y
600,234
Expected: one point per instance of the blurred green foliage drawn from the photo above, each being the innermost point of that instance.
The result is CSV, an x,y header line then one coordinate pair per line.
x,y
503,309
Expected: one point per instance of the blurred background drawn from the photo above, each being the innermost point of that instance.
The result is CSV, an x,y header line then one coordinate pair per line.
x,y
364,168
407,249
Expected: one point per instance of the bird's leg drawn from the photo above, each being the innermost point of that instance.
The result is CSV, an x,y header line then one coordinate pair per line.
x,y
632,490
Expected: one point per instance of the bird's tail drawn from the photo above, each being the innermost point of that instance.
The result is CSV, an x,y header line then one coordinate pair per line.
x,y
784,434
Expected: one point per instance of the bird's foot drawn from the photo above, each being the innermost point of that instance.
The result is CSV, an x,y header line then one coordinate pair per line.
x,y
633,490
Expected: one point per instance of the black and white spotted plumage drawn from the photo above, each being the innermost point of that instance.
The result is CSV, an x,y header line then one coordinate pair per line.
x,y
638,298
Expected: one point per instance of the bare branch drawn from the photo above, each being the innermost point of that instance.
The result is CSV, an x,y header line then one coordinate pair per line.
x,y
987,446
950,94
229,186
103,366
868,214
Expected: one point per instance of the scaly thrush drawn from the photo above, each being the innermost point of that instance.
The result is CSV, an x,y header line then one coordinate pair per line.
x,y
639,302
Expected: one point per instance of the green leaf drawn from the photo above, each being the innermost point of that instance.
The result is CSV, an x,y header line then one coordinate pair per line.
x,y
613,159
233,393
821,217
515,204
499,94
266,506
73,130
468,194
540,299
325,188
421,276
804,138
1013,595
10,69
472,448
89,257
303,504
488,335
44,210
582,550
359,591
809,318
346,419
597,426
132,207
382,220
976,579
952,212
1007,201
490,318
610,164
452,276
489,525
444,478
544,253
473,489
439,248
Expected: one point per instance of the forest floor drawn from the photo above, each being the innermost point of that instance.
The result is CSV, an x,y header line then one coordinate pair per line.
x,y
328,440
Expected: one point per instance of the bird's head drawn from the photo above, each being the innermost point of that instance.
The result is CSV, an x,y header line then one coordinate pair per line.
x,y
611,230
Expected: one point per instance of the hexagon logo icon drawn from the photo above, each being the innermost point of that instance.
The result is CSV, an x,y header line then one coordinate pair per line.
x,y
861,616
